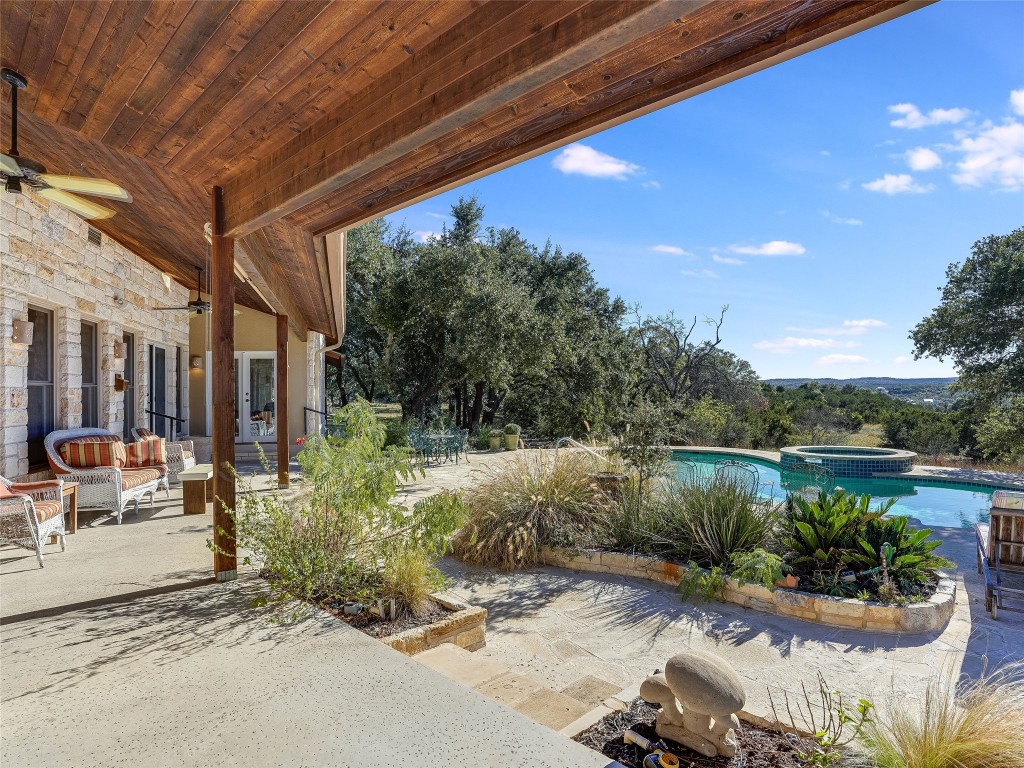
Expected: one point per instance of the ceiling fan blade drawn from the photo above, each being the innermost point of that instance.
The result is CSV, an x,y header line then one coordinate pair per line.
x,y
84,208
9,165
86,186
166,309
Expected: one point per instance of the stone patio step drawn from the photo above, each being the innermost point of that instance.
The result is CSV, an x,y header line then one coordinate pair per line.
x,y
523,693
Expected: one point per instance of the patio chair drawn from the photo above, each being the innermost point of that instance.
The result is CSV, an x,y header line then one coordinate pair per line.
x,y
30,513
110,487
686,470
1001,551
808,481
180,455
738,473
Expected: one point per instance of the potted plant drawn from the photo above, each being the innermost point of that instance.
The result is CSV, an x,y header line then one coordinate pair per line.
x,y
496,437
512,436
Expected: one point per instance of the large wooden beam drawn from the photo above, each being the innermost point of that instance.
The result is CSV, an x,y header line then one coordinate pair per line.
x,y
222,341
281,406
453,81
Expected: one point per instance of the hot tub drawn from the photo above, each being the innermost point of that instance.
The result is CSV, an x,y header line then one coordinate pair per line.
x,y
848,460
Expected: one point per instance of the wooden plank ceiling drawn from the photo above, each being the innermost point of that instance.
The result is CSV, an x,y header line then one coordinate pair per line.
x,y
314,116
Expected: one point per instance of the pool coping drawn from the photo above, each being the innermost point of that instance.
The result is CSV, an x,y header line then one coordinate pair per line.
x,y
926,616
922,473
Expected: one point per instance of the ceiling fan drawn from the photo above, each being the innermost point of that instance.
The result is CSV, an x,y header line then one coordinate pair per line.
x,y
197,306
16,170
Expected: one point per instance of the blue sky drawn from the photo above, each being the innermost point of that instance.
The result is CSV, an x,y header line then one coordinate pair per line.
x,y
821,199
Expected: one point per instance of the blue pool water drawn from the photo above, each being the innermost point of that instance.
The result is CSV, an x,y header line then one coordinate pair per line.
x,y
935,504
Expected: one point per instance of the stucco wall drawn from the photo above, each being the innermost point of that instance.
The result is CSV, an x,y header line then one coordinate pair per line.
x,y
47,260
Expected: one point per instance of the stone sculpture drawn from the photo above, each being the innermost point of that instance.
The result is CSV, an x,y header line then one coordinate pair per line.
x,y
699,695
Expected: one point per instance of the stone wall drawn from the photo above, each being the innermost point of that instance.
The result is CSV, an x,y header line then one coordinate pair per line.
x,y
46,260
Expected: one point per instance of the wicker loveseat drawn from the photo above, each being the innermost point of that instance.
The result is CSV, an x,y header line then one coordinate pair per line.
x,y
30,513
106,487
180,455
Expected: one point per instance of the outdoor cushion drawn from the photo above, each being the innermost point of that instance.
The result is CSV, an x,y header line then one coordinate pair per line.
x,y
94,451
186,454
143,434
146,453
133,478
5,492
47,510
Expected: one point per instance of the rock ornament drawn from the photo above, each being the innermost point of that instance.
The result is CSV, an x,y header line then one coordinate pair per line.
x,y
699,694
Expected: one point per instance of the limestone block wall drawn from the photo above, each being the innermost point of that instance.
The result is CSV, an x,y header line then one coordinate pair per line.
x,y
46,260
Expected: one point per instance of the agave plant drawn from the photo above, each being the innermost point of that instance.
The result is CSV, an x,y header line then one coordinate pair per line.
x,y
824,534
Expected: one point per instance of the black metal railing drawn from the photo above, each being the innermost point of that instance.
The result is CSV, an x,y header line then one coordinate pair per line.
x,y
172,420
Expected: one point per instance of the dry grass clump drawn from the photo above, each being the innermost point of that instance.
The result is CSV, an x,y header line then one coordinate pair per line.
x,y
535,500
973,724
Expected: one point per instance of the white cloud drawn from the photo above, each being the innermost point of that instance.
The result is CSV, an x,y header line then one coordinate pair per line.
x,y
896,184
790,344
773,248
841,219
727,260
923,159
913,118
839,359
675,250
825,153
436,215
902,359
425,235
652,184
867,323
1017,101
995,155
587,161
699,273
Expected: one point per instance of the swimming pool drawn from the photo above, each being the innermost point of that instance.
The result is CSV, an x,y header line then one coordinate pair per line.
x,y
936,504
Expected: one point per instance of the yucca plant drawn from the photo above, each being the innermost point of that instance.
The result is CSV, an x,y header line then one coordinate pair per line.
x,y
824,534
971,724
534,501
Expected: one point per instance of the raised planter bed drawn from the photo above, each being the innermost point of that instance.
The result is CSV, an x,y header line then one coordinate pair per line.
x,y
927,616
464,626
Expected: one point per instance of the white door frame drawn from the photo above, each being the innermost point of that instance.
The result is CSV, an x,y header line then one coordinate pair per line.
x,y
242,397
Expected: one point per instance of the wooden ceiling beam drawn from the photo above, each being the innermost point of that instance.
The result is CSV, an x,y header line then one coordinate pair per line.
x,y
342,147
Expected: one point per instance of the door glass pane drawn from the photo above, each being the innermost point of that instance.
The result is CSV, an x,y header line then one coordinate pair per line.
x,y
40,384
238,395
129,393
158,389
90,376
261,397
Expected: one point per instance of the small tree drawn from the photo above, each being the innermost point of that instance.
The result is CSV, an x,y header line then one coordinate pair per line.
x,y
642,446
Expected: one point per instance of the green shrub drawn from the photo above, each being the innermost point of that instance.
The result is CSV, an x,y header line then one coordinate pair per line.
x,y
397,434
710,518
758,567
707,583
345,539
905,556
513,429
483,438
535,501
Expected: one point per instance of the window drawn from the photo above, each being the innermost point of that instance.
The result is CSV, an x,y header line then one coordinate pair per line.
x,y
158,390
129,392
40,384
90,375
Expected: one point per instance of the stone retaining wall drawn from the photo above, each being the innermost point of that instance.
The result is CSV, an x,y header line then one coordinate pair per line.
x,y
465,628
927,616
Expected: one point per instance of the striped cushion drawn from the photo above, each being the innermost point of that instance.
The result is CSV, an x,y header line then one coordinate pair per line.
x,y
94,451
144,434
147,453
47,510
133,478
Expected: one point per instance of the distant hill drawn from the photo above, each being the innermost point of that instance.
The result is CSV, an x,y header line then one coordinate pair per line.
x,y
915,390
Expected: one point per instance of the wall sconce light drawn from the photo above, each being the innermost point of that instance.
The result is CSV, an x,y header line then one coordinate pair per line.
x,y
22,332
121,384
120,350
196,363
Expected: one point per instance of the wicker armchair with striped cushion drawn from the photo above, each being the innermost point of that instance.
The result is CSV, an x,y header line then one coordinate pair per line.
x,y
180,455
111,487
30,513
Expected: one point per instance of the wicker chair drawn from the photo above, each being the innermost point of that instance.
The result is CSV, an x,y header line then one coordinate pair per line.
x,y
30,513
109,488
180,455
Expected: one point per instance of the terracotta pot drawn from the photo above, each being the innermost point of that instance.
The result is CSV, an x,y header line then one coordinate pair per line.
x,y
790,582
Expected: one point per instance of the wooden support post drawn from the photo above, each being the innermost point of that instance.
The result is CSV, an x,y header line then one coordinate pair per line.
x,y
222,340
281,407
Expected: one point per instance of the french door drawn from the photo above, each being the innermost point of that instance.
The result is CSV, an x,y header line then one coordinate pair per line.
x,y
255,375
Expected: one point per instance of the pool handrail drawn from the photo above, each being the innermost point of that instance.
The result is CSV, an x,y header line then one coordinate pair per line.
x,y
577,444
